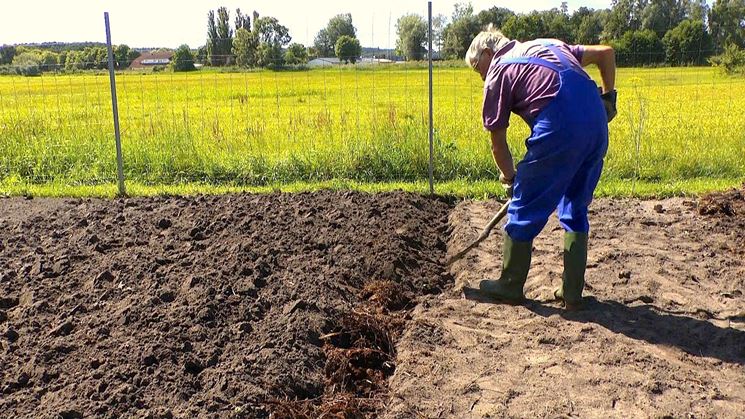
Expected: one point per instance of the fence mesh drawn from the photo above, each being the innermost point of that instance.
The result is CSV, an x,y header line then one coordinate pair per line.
x,y
365,122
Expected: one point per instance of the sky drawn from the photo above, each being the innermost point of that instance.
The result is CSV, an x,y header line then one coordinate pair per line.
x,y
170,23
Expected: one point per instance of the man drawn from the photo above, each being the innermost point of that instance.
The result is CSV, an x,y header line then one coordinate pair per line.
x,y
543,82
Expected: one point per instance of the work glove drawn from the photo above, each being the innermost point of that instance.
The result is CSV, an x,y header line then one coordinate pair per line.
x,y
609,102
508,185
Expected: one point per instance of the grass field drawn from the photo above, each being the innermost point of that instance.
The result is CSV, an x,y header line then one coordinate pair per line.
x,y
679,130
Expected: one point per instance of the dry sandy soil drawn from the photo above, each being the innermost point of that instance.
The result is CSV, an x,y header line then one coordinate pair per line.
x,y
663,334
305,305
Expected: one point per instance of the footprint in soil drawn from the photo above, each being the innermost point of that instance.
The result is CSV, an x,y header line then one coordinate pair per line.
x,y
653,325
644,322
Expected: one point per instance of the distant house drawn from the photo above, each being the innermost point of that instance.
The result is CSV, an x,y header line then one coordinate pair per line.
x,y
151,59
323,62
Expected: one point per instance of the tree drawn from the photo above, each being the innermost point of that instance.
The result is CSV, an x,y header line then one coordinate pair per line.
x,y
552,23
637,48
89,58
201,56
587,26
696,9
731,60
338,26
727,22
7,52
74,61
271,37
624,16
348,49
580,14
242,21
462,10
122,54
662,15
213,47
183,59
461,30
412,36
687,43
296,54
225,34
271,31
27,64
524,27
219,37
98,56
438,26
245,45
48,60
558,25
496,16
322,44
133,54
269,55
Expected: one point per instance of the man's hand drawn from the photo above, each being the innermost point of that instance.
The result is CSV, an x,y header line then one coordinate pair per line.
x,y
609,101
507,184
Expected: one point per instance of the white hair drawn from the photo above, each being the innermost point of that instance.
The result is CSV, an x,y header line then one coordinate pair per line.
x,y
490,38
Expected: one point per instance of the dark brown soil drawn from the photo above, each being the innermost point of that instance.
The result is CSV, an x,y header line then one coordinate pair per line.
x,y
231,305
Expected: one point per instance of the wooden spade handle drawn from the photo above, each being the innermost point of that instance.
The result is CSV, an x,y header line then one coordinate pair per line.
x,y
484,233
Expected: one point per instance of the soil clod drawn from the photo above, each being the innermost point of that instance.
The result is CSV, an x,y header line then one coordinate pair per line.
x,y
8,302
11,335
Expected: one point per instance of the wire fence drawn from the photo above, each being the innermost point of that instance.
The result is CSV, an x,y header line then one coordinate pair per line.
x,y
366,122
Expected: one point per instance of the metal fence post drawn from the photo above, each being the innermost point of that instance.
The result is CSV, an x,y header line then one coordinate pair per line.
x,y
115,108
431,121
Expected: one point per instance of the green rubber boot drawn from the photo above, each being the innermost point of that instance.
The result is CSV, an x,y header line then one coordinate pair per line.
x,y
515,266
575,261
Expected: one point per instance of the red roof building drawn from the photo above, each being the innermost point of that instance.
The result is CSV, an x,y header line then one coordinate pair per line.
x,y
151,59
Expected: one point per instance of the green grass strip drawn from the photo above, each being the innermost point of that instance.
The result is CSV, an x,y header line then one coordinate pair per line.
x,y
461,189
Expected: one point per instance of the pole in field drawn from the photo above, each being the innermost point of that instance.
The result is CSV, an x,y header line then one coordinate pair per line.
x,y
431,122
114,108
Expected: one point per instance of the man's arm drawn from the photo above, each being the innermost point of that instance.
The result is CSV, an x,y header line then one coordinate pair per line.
x,y
502,156
605,58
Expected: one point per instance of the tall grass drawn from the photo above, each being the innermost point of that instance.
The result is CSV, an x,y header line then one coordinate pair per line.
x,y
362,125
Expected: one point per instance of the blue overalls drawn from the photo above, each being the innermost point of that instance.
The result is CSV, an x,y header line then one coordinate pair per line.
x,y
564,158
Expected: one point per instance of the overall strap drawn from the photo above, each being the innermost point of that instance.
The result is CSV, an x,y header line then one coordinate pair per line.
x,y
565,64
531,60
560,55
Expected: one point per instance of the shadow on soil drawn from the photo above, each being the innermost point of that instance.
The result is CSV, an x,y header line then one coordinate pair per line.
x,y
648,323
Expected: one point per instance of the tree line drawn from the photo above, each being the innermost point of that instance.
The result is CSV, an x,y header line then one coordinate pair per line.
x,y
643,32
256,41
33,60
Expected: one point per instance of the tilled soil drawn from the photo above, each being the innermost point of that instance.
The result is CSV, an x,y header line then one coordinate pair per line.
x,y
230,305
337,304
663,333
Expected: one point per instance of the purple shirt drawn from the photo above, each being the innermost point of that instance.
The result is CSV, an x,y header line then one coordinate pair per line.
x,y
524,89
